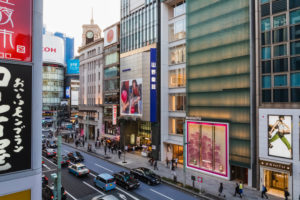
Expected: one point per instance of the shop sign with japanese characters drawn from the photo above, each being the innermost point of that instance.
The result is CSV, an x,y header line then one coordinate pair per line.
x,y
15,118
16,30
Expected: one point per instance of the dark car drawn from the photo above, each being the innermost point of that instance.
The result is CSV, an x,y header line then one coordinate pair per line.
x,y
64,160
75,156
146,175
44,181
126,180
48,193
49,152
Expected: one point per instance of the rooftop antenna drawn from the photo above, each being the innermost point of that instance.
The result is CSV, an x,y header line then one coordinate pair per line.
x,y
92,20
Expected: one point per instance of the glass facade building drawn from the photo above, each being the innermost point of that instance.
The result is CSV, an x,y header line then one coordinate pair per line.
x,y
218,71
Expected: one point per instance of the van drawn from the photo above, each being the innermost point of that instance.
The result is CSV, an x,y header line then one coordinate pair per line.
x,y
105,181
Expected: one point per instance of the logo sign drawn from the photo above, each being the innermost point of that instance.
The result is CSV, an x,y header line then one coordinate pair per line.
x,y
111,36
53,49
15,118
153,86
68,92
200,179
73,66
115,108
280,166
16,30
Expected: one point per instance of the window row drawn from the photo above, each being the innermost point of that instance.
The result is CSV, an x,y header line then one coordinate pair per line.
x,y
280,50
177,55
281,80
177,102
281,65
281,95
111,72
277,6
280,35
177,30
176,125
177,78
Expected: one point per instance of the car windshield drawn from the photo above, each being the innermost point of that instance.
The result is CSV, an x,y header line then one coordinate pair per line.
x,y
77,154
110,180
148,172
81,168
127,177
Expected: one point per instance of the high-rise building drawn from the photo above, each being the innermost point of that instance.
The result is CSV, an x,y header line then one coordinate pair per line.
x,y
173,79
278,99
220,138
91,82
139,77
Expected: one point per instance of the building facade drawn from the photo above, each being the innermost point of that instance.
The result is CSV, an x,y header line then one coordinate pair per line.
x,y
219,89
138,95
91,82
278,86
173,79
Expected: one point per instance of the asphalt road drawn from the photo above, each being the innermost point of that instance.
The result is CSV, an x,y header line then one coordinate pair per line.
x,y
84,189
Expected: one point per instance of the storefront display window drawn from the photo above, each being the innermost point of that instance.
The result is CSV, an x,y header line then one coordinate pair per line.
x,y
177,30
177,55
276,182
177,102
207,148
176,125
177,78
178,153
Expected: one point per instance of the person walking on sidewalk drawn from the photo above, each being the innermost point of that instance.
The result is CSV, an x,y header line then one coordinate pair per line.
x,y
119,153
263,192
105,149
241,187
176,160
155,165
167,162
237,190
221,190
286,194
174,176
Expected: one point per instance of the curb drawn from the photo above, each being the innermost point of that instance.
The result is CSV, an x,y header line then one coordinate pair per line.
x,y
128,168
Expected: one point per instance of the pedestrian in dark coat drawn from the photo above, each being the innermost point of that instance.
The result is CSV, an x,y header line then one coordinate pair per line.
x,y
105,149
237,190
119,153
286,194
155,165
221,190
167,162
263,192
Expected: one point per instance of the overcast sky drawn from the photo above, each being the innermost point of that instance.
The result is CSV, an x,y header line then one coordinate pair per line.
x,y
68,16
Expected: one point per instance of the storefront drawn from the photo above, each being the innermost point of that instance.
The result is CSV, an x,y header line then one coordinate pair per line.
x,y
174,151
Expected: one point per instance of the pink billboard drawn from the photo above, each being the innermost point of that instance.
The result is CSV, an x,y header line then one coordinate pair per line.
x,y
207,147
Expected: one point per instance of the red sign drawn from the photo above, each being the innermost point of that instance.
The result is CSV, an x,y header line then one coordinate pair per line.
x,y
16,30
114,114
200,179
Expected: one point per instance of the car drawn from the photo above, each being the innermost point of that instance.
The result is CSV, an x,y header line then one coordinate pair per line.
x,y
64,160
126,180
75,156
105,181
52,144
47,193
44,180
78,169
146,175
105,197
49,152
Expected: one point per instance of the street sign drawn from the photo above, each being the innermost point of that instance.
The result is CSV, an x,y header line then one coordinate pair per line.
x,y
200,179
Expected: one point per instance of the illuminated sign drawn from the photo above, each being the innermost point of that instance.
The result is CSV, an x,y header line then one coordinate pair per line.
x,y
114,114
73,66
111,36
53,49
68,92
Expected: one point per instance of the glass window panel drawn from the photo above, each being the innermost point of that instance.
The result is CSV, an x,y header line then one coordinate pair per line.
x,y
266,96
294,32
177,78
280,80
280,50
111,72
266,82
206,147
280,35
265,10
281,95
279,21
220,150
266,67
264,1
266,38
294,3
295,63
176,125
179,9
279,6
177,55
265,24
280,65
295,80
295,48
266,53
295,94
177,102
295,17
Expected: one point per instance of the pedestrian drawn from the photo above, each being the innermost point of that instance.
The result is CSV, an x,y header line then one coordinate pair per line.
x,y
167,162
155,165
237,190
105,149
76,143
221,190
119,153
83,142
286,194
176,160
174,176
263,192
241,187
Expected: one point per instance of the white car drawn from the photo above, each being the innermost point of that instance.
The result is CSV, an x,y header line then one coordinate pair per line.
x,y
79,169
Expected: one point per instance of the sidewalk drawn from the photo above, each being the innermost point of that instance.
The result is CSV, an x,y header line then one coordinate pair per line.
x,y
210,184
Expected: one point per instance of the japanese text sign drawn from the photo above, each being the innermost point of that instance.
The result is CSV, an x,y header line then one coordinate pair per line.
x,y
16,30
15,118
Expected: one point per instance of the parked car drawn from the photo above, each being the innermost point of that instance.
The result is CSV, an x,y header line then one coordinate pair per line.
x,y
75,156
47,193
126,180
105,181
105,197
78,169
49,152
44,180
52,144
64,160
146,175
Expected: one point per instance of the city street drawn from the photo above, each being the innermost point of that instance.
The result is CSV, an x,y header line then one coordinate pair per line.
x,y
83,188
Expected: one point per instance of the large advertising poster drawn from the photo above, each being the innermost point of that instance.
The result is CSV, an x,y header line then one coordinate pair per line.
x,y
207,147
131,97
53,49
111,36
16,30
73,66
15,117
280,135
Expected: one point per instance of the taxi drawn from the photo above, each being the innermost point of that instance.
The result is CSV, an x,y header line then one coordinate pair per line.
x,y
78,169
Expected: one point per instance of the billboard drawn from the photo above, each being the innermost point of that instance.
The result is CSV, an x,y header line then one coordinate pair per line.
x,y
74,97
16,30
114,116
68,92
53,49
207,147
153,86
111,36
15,119
280,136
73,66
131,97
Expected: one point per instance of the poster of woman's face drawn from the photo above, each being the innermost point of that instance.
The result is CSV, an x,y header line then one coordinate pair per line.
x,y
280,136
131,97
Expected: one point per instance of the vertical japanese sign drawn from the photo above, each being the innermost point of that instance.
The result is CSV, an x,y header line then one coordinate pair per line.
x,y
15,117
114,119
153,85
16,30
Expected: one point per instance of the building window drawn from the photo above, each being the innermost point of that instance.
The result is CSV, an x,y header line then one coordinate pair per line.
x,y
111,84
295,63
279,6
266,67
280,65
111,72
265,24
112,58
280,80
177,55
264,1
266,53
177,102
177,30
280,35
295,94
295,17
177,78
294,3
280,50
295,32
179,9
279,21
176,125
295,48
266,38
295,80
280,95
266,82
266,96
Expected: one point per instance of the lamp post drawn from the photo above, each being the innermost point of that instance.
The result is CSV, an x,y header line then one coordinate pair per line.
x,y
124,161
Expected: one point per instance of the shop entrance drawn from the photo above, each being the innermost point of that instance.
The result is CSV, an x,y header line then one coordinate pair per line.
x,y
239,174
276,182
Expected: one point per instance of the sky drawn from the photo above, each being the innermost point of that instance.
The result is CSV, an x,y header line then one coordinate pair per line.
x,y
68,16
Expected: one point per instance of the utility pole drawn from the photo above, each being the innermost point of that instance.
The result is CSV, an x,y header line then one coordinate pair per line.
x,y
59,166
124,149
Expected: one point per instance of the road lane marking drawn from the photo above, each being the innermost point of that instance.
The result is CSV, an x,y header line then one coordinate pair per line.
x,y
70,195
161,194
92,187
49,161
104,168
127,193
93,174
46,166
67,151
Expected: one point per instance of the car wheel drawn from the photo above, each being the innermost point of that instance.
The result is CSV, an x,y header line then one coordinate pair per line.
x,y
148,182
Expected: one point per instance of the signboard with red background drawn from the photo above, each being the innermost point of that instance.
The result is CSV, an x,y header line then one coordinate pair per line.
x,y
16,30
110,36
